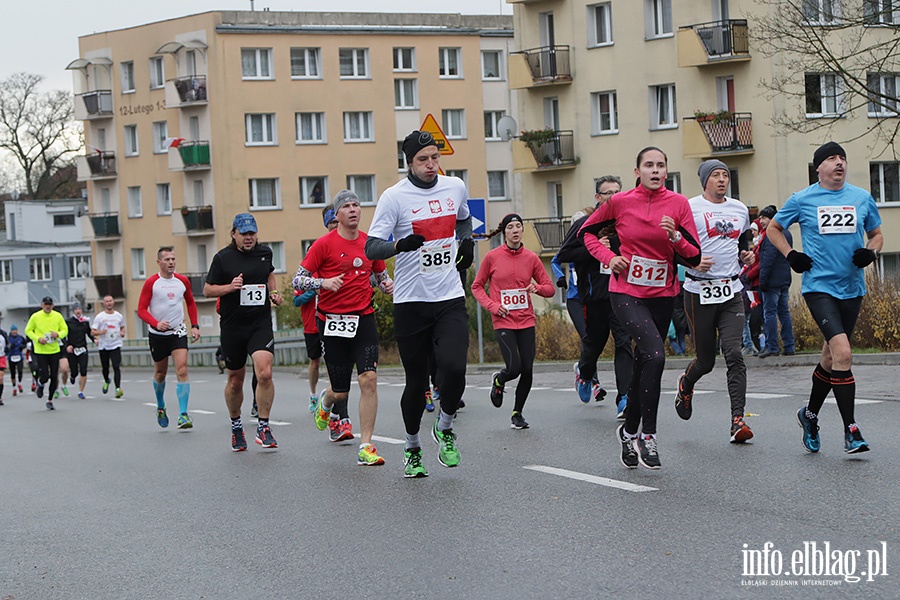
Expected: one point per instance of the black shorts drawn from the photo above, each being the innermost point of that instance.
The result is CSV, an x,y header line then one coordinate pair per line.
x,y
313,345
78,364
161,346
833,316
239,342
342,353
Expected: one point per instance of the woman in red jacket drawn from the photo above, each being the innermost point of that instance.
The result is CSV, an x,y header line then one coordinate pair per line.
x,y
514,273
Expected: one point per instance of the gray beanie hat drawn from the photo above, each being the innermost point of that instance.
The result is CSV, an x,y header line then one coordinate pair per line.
x,y
343,197
706,169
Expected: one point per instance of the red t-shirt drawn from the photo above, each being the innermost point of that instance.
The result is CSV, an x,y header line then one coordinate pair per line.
x,y
330,256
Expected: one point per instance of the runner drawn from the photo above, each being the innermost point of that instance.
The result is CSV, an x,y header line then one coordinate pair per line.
x,y
513,273
79,334
63,369
16,353
426,213
653,225
45,328
161,306
712,294
242,276
345,316
108,329
841,234
4,348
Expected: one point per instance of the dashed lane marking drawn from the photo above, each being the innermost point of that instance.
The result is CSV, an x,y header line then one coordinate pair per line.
x,y
613,483
380,438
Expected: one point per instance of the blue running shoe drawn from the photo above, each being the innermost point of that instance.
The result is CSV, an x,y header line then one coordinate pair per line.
x,y
429,400
162,418
621,405
853,440
584,388
810,431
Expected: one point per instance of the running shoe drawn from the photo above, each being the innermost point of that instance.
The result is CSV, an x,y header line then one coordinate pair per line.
x,y
119,393
56,395
368,456
1,402
254,412
429,400
321,416
346,430
40,390
162,418
853,440
740,431
582,387
264,438
334,429
50,405
32,386
184,421
65,391
20,389
461,405
448,454
683,401
621,405
497,390
518,421
647,451
597,389
14,391
313,402
810,428
629,456
238,440
105,387
436,394
81,395
412,463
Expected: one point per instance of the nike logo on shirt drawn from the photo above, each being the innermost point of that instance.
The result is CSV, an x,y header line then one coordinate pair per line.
x,y
416,210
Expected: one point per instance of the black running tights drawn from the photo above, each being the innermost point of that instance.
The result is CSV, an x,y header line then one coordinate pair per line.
x,y
114,356
518,347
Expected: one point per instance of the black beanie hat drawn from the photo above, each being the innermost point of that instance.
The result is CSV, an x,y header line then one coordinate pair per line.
x,y
509,219
825,150
414,142
769,211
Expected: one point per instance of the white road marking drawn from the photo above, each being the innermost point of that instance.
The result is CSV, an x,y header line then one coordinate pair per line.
x,y
622,485
857,401
761,396
379,438
198,411
271,422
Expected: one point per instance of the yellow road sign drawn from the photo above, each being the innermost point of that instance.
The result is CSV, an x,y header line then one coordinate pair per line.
x,y
431,126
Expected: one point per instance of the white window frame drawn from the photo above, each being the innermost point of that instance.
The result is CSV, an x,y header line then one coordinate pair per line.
x,y
365,121
138,263
400,61
597,113
658,22
74,261
881,13
831,86
163,199
317,128
491,120
307,184
127,69
262,58
364,187
132,145
254,193
401,101
451,130
268,128
445,71
356,60
40,268
882,196
673,182
157,73
663,100
6,271
278,260
600,25
459,173
160,134
884,82
484,71
821,8
311,56
492,179
135,202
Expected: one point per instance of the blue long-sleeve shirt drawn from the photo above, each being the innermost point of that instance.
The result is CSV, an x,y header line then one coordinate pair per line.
x,y
556,267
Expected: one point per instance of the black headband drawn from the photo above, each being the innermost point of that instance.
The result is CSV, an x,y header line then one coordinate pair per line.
x,y
414,142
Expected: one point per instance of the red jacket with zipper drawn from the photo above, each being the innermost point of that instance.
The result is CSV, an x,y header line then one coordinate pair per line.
x,y
507,269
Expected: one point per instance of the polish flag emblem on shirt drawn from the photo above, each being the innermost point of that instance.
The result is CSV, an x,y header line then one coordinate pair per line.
x,y
435,206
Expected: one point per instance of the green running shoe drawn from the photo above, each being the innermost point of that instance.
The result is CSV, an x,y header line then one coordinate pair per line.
x,y
412,460
105,387
184,421
322,416
56,395
448,455
65,391
119,393
162,418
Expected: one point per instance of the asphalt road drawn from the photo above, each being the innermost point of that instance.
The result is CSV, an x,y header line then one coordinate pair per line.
x,y
98,502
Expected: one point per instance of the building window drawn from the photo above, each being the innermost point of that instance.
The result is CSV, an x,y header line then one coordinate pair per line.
x,y
6,271
135,204
131,140
163,199
80,266
41,268
497,188
358,127
821,12
256,63
305,245
313,191
264,193
491,119
459,173
454,123
824,95
657,18
450,63
157,73
354,63
491,65
127,77
64,220
882,91
604,113
277,255
401,157
881,12
198,192
600,28
662,107
306,63
363,186
138,264
160,133
673,182
884,181
404,59
734,189
260,129
311,128
405,94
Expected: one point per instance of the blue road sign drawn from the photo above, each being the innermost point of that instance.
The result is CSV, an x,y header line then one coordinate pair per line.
x,y
476,207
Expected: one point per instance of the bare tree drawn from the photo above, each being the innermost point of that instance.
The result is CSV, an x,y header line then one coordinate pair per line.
x,y
834,59
37,129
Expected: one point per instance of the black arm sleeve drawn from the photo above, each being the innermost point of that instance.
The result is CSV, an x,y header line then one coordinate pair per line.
x,y
378,249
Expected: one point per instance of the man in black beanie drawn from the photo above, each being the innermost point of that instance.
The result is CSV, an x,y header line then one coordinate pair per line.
x,y
841,231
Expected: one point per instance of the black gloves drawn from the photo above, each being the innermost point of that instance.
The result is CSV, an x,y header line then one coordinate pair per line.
x,y
863,257
465,254
799,262
410,243
561,282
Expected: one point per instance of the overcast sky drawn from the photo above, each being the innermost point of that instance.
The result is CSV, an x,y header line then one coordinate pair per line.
x,y
41,36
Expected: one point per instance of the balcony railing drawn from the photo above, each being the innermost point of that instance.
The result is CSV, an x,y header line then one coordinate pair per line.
x,y
724,135
558,151
198,219
191,89
106,225
718,41
98,104
544,65
101,164
550,232
194,155
109,285
198,281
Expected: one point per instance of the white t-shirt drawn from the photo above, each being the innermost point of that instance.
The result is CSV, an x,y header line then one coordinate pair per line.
x,y
404,209
720,226
110,327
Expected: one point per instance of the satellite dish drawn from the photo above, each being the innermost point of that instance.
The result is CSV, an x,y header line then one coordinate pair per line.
x,y
82,269
507,128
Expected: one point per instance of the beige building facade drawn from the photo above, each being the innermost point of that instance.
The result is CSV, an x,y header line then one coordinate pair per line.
x,y
192,120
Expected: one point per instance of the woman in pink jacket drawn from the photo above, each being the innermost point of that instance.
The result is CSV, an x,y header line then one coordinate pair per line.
x,y
654,225
513,273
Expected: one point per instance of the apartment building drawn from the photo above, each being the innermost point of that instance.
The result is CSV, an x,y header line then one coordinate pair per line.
x,y
611,77
192,120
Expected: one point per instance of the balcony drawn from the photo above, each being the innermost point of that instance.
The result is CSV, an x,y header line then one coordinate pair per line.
x,y
549,154
106,225
109,285
198,220
550,232
94,105
198,280
189,156
722,134
183,92
713,43
97,165
537,67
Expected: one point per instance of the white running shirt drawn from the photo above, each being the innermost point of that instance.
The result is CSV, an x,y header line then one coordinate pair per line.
x,y
110,327
719,226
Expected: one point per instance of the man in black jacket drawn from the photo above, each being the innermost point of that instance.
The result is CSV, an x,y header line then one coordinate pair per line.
x,y
76,347
775,285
